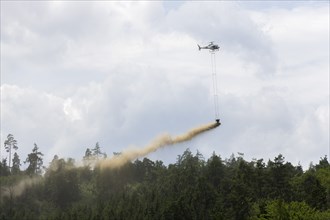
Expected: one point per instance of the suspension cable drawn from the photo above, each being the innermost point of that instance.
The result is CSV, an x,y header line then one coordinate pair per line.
x,y
215,86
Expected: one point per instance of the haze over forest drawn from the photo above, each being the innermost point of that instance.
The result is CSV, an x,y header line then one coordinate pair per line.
x,y
191,188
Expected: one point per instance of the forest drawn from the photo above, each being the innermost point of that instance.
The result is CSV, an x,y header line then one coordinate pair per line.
x,y
191,188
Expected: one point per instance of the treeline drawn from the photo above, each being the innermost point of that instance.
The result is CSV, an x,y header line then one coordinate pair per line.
x,y
191,188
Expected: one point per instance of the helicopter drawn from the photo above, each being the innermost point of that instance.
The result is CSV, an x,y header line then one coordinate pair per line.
x,y
211,46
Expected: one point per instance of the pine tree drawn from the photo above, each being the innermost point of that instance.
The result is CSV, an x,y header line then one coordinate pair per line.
x,y
10,144
16,164
35,161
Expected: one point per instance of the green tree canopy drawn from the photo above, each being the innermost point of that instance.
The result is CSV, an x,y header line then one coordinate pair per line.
x,y
34,161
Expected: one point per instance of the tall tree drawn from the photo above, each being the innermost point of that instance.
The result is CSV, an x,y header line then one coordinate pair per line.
x,y
62,182
97,153
88,157
323,163
314,193
215,170
16,164
10,144
4,169
35,161
93,155
280,174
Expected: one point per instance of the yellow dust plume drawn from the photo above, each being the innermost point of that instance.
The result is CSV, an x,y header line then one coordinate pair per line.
x,y
161,141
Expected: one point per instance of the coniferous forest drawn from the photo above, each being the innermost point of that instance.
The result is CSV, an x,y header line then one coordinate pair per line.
x,y
191,188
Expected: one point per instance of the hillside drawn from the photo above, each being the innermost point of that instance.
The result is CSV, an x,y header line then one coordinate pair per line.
x,y
192,188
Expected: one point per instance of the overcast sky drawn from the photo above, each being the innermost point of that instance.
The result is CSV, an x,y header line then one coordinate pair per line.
x,y
120,73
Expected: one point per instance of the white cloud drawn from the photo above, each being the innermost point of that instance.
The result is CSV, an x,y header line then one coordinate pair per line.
x,y
120,73
72,112
229,24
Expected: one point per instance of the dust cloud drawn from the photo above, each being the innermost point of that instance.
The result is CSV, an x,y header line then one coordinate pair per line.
x,y
161,141
18,188
116,161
